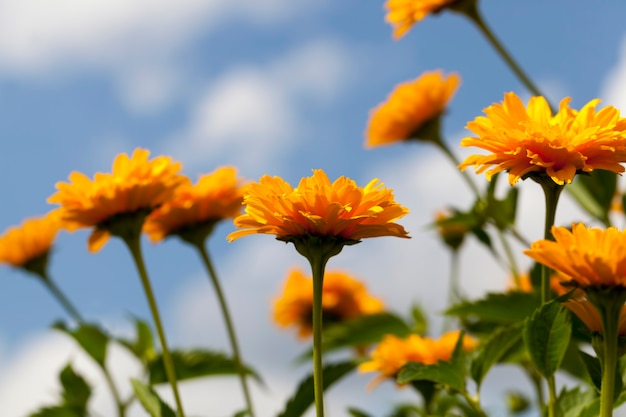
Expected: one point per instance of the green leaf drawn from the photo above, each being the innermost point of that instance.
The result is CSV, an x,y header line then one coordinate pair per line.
x,y
546,336
593,367
353,412
143,344
496,308
150,400
420,322
594,192
450,373
303,397
194,363
91,338
76,391
58,411
574,402
503,212
492,350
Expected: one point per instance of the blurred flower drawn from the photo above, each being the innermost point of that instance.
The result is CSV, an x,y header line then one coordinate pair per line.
x,y
452,231
584,257
589,315
197,208
521,283
412,110
392,353
136,186
527,141
340,210
403,14
28,245
343,298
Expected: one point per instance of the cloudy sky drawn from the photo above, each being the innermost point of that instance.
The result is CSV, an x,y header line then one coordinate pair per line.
x,y
270,86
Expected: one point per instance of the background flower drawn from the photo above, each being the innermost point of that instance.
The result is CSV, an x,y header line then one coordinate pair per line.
x,y
403,14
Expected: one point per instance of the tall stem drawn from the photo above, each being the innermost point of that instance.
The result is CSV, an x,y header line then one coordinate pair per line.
x,y
317,265
552,191
229,324
134,245
474,15
610,319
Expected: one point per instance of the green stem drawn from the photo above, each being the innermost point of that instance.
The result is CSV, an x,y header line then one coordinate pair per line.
x,y
317,265
474,15
444,148
552,191
552,393
134,245
610,320
73,312
229,324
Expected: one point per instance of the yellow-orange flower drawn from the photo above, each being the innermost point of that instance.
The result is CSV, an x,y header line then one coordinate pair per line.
x,y
135,185
409,108
392,353
526,140
403,14
343,298
25,245
317,207
215,197
590,316
587,257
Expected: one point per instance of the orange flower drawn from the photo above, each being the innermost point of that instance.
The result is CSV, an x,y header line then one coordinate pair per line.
x,y
590,316
216,196
392,353
531,140
403,14
410,108
343,298
136,185
27,246
319,208
587,257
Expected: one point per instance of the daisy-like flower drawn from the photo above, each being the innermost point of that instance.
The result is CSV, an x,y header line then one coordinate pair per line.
x,y
339,210
136,186
412,110
197,208
392,353
403,14
530,140
590,316
28,245
584,257
343,298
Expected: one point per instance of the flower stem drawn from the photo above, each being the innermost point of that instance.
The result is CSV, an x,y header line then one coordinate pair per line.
x,y
134,245
610,313
229,324
73,312
317,266
474,15
552,191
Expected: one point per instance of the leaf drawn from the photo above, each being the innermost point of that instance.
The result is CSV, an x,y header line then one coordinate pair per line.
x,y
420,322
503,212
194,363
150,400
493,350
594,192
76,391
593,367
303,397
450,373
496,307
57,411
360,331
571,403
353,412
546,336
91,338
143,345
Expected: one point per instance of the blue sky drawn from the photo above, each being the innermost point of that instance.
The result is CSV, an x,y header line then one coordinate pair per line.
x,y
270,86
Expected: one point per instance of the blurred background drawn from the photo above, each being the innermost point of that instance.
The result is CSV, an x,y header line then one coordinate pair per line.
x,y
273,87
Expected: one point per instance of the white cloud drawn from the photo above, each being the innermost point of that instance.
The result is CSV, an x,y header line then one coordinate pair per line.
x,y
251,115
614,87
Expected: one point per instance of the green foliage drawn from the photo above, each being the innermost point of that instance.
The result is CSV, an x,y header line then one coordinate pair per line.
x,y
142,346
194,363
303,397
450,373
90,337
150,400
547,335
493,349
74,396
577,403
501,212
594,193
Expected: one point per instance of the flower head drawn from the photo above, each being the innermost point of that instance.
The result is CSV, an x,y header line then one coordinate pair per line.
x,y
215,197
28,245
530,140
343,298
392,353
403,14
411,109
318,208
584,257
135,185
